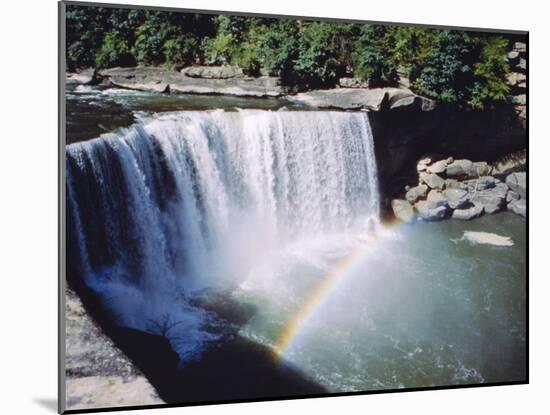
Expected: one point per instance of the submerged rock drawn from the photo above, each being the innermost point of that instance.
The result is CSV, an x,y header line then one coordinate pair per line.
x,y
402,210
487,238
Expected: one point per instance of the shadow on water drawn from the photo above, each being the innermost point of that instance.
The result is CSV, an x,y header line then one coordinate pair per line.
x,y
234,368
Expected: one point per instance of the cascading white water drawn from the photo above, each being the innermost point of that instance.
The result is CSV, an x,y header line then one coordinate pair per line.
x,y
188,200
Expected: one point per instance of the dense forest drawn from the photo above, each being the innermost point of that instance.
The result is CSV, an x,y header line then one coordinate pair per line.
x,y
466,68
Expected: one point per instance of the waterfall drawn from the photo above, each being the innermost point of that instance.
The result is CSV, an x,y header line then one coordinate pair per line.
x,y
178,201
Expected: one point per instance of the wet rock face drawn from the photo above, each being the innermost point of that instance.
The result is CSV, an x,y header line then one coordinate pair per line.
x,y
462,190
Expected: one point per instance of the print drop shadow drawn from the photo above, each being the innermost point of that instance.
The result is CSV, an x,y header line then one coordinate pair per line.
x,y
233,369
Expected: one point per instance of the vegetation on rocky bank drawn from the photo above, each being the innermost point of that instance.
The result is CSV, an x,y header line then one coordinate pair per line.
x,y
469,69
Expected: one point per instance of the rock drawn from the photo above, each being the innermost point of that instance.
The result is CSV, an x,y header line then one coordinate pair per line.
x,y
487,238
417,192
88,76
213,72
511,195
407,188
469,213
522,64
159,79
520,47
402,210
513,163
493,200
436,198
519,207
374,99
513,55
423,164
518,183
459,168
427,211
481,183
353,83
450,160
515,78
432,180
456,198
519,99
438,167
452,184
481,168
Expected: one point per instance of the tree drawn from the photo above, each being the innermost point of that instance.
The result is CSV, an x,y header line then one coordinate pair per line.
x,y
491,73
373,58
448,74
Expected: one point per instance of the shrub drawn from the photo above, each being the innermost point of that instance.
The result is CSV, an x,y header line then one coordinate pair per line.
x,y
491,72
115,51
180,51
373,57
448,74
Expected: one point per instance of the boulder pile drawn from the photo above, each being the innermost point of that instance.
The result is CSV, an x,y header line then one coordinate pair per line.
x,y
461,189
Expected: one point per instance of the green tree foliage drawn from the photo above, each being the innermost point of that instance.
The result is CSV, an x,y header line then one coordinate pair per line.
x,y
491,72
464,68
114,51
322,52
277,48
374,58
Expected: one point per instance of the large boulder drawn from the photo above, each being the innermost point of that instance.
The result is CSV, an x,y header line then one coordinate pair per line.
x,y
459,168
517,182
417,192
438,167
402,210
493,200
371,99
518,206
429,211
88,76
471,212
436,198
456,198
480,168
432,180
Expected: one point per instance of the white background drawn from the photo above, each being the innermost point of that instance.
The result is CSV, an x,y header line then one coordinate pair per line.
x,y
28,204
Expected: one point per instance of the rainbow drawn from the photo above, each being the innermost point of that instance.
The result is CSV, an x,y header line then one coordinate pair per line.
x,y
318,296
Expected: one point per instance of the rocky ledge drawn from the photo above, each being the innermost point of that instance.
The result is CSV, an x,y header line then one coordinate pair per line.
x,y
98,373
463,189
226,80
